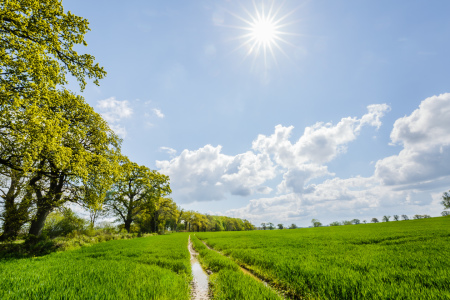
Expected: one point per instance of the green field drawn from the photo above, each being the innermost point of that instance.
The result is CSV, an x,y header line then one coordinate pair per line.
x,y
144,268
394,260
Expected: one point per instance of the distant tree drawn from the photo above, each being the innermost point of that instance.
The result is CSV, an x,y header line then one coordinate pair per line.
x,y
426,216
356,221
316,223
137,191
375,220
386,218
396,217
446,200
293,226
271,226
445,213
405,217
335,223
346,222
364,221
264,226
417,217
280,226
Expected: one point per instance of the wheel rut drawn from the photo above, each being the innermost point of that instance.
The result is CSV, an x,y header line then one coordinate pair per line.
x,y
200,281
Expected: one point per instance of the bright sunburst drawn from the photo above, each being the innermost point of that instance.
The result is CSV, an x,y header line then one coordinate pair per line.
x,y
263,31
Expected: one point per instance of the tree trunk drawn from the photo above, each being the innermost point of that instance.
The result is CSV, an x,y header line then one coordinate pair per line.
x,y
128,225
37,224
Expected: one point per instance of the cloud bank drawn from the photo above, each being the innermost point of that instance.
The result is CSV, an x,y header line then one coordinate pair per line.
x,y
407,181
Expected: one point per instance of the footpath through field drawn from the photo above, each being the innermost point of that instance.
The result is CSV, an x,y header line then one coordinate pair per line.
x,y
227,279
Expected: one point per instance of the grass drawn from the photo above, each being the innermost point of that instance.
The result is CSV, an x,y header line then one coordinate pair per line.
x,y
228,282
394,260
146,268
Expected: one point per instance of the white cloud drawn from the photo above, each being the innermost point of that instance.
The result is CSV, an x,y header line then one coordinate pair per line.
x,y
207,174
158,113
169,150
425,136
113,111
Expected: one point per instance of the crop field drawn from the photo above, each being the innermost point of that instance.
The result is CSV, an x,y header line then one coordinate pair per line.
x,y
393,260
145,268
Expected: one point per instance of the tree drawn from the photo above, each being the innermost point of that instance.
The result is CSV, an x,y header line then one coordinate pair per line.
x,y
293,226
36,42
87,151
263,225
137,190
375,220
396,217
445,213
417,217
271,226
36,53
405,217
335,223
364,221
386,218
16,200
446,200
356,221
316,223
280,226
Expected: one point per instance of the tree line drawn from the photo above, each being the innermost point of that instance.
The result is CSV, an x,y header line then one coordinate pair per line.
x,y
54,148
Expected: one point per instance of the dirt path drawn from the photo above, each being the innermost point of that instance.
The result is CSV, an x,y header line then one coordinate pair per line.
x,y
200,278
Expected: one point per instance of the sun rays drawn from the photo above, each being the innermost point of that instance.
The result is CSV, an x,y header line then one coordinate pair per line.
x,y
264,34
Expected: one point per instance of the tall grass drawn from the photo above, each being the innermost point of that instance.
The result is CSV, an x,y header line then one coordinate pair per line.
x,y
228,282
146,268
394,260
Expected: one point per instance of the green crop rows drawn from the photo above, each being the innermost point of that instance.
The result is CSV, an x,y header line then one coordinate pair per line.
x,y
394,260
228,281
144,268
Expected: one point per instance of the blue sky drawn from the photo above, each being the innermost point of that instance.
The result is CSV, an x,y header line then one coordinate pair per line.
x,y
348,120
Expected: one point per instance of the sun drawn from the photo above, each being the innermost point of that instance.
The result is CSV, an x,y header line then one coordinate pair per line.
x,y
264,32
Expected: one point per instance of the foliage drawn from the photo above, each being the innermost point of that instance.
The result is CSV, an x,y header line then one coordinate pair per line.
x,y
62,222
394,260
137,190
405,217
316,223
396,217
446,200
293,226
374,220
356,221
122,269
386,218
335,223
280,226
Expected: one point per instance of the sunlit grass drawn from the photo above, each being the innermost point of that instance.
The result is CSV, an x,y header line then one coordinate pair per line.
x,y
395,260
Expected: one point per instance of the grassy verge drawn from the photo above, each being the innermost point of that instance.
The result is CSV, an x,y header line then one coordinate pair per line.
x,y
394,260
146,268
228,281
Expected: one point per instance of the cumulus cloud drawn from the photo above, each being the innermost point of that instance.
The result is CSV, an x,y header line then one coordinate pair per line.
x,y
113,111
319,143
425,137
207,174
